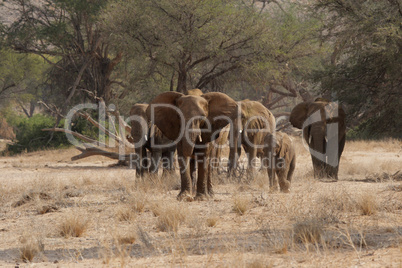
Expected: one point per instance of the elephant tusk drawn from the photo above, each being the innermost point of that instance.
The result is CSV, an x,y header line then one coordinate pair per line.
x,y
146,138
199,138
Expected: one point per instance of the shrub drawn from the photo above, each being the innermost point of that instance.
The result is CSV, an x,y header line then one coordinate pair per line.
x,y
30,137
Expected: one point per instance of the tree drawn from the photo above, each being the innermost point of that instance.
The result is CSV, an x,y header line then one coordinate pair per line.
x,y
190,42
230,46
21,77
364,70
66,35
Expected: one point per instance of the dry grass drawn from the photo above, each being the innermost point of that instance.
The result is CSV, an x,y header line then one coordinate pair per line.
x,y
30,248
137,201
258,264
212,221
139,223
241,205
73,226
367,204
170,217
308,231
125,213
127,238
380,145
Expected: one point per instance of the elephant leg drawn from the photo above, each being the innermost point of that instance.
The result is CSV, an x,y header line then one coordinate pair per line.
x,y
156,156
202,179
292,167
193,175
218,160
319,168
139,170
271,174
184,162
170,155
234,155
212,156
252,157
167,162
318,146
209,173
332,171
284,184
232,163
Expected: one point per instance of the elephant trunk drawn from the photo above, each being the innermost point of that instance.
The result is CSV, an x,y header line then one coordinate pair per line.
x,y
192,136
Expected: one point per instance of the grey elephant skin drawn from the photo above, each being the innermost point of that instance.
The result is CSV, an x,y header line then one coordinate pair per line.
x,y
254,122
324,130
148,137
174,112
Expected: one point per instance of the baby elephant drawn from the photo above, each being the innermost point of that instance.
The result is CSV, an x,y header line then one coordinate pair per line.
x,y
279,158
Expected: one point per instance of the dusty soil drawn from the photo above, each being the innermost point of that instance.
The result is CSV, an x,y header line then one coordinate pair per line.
x,y
356,221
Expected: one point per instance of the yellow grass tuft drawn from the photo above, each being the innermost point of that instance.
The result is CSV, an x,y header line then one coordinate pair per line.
x,y
125,213
170,218
367,204
308,231
128,238
241,205
30,248
73,226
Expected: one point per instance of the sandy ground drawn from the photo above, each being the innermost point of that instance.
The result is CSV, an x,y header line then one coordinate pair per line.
x,y
355,222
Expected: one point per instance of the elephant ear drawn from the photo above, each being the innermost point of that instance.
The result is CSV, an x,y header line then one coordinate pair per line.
x,y
220,105
299,114
162,111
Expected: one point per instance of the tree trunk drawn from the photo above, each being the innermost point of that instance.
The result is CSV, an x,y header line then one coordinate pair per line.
x,y
181,82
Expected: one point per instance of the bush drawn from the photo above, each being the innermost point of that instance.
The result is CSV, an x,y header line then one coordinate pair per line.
x,y
29,134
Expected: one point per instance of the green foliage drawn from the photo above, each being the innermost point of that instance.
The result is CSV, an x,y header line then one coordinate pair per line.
x,y
65,33
364,131
20,76
189,42
365,67
29,134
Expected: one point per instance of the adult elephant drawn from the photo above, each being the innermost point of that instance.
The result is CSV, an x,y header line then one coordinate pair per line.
x,y
323,125
254,123
193,122
147,136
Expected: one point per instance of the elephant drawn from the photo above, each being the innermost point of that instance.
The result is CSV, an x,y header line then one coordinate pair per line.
x,y
195,92
145,136
255,122
323,125
279,159
193,122
142,136
216,149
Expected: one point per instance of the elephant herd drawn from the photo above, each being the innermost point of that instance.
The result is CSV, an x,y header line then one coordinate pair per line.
x,y
197,125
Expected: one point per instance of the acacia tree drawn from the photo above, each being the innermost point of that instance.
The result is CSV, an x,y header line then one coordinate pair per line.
x,y
191,42
21,77
230,46
364,69
65,33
